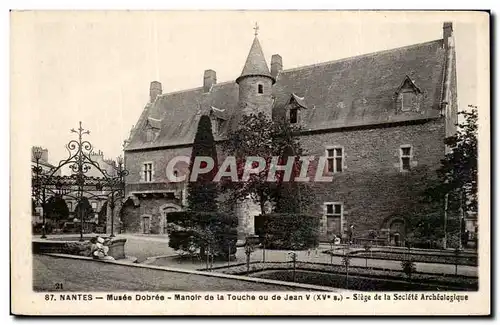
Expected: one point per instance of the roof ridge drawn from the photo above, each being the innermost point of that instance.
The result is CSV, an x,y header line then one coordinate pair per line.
x,y
196,88
310,66
359,56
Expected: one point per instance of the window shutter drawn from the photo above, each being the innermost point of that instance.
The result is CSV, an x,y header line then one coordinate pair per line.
x,y
142,172
152,172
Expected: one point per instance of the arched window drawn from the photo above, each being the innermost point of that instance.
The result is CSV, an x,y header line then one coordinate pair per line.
x,y
260,89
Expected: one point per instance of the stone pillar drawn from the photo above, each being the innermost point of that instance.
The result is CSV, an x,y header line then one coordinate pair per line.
x,y
108,218
116,218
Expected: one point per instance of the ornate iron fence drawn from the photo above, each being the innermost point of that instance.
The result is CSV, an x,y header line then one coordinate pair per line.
x,y
78,185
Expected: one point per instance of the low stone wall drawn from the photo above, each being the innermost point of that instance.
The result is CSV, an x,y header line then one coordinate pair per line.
x,y
116,247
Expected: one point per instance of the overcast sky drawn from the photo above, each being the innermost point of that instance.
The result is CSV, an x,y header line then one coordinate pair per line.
x,y
96,66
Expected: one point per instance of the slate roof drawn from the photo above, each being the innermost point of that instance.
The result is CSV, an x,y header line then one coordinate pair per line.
x,y
342,93
255,65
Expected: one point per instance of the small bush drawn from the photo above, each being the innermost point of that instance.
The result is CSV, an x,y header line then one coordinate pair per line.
x,y
288,230
409,267
346,260
190,231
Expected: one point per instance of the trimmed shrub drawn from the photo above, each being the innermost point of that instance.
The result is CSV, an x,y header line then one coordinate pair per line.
x,y
193,231
202,193
288,230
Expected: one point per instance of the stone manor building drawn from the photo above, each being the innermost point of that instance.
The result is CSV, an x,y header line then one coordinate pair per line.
x,y
379,118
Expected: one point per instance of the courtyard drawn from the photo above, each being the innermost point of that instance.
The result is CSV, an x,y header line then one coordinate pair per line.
x,y
83,275
159,264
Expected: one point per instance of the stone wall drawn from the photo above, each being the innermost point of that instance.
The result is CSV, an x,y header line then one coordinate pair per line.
x,y
149,216
372,188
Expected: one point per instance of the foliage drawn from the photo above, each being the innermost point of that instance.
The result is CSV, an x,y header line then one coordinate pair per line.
x,y
56,208
84,208
367,247
455,190
346,260
372,234
409,267
458,171
291,196
259,136
202,193
208,232
102,215
288,230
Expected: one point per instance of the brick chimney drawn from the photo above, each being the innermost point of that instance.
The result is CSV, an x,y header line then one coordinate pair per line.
x,y
276,65
447,35
209,79
154,90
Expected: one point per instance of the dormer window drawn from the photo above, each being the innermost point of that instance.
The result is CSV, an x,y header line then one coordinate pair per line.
x,y
217,117
260,89
294,115
295,107
408,96
152,129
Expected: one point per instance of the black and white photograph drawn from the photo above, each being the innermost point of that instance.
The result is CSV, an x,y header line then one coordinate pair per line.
x,y
183,162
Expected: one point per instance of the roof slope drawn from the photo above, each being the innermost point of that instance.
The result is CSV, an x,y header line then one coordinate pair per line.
x,y
348,92
255,64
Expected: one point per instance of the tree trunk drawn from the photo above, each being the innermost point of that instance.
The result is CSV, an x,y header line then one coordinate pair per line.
x,y
346,276
262,204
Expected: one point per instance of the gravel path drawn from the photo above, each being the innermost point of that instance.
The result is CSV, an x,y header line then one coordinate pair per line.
x,y
83,275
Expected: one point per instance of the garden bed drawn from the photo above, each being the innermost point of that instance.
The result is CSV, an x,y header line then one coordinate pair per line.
x,y
442,258
350,282
419,280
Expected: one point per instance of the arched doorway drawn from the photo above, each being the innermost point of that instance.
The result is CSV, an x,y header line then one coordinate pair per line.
x,y
397,232
164,210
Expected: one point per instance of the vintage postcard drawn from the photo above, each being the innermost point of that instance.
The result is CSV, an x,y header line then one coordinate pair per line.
x,y
250,163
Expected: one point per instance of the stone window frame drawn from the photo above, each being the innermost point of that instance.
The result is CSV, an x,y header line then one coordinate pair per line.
x,y
143,172
216,124
92,205
334,158
405,156
410,96
260,89
334,214
150,134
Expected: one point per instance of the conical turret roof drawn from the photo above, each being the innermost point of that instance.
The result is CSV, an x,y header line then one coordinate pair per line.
x,y
255,64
